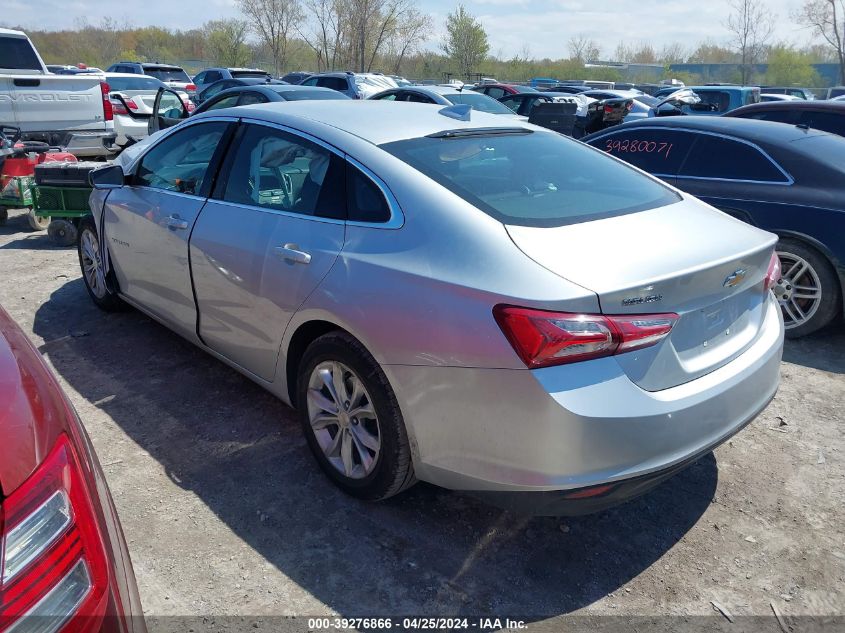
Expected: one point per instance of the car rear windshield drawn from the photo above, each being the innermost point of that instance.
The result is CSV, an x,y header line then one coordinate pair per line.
x,y
133,83
532,178
17,53
250,74
479,102
168,74
308,95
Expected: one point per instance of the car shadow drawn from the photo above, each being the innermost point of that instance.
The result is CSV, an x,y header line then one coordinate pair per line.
x,y
427,551
823,350
17,224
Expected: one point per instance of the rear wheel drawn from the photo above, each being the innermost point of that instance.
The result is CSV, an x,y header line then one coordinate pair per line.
x,y
37,222
63,232
351,418
101,287
808,290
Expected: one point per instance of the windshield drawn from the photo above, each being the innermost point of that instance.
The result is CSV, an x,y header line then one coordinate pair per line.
x,y
533,179
479,102
133,83
168,74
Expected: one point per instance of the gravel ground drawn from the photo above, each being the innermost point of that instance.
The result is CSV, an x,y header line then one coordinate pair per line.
x,y
226,513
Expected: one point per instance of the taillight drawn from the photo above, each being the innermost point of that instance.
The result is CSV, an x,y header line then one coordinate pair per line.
x,y
543,338
608,109
118,107
108,113
773,273
53,568
191,88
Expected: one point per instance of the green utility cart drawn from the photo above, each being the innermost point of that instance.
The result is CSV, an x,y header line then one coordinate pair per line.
x,y
62,208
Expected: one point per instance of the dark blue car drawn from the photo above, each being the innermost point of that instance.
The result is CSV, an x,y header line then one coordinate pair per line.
x,y
783,178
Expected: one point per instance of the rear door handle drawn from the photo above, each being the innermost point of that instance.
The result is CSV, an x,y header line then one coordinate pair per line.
x,y
291,252
175,222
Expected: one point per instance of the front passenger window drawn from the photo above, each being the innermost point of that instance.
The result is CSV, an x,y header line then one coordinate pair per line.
x,y
180,162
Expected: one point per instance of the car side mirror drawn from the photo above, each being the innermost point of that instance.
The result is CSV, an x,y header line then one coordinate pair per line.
x,y
107,177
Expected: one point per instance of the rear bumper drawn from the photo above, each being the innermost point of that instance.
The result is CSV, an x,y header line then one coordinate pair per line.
x,y
576,426
83,144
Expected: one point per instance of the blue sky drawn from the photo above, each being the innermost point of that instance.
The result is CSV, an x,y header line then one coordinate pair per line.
x,y
542,27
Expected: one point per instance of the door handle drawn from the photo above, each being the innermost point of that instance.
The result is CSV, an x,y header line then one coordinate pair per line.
x,y
175,222
291,252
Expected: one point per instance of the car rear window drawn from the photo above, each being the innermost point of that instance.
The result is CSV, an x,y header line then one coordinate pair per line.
x,y
134,83
309,95
479,102
17,52
250,74
168,74
532,178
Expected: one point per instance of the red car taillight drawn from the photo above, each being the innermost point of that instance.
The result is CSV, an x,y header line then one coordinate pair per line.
x,y
773,273
108,114
191,88
542,338
54,573
118,107
608,109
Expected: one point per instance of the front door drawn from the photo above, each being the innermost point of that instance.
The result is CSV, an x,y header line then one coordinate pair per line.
x,y
148,222
265,240
168,110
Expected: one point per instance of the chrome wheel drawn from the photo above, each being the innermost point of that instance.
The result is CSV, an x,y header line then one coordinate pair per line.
x,y
92,267
343,419
799,290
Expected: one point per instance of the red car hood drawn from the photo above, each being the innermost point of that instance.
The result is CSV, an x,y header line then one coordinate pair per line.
x,y
32,406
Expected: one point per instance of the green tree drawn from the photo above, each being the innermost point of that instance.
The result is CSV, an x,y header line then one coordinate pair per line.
x,y
790,67
226,42
466,41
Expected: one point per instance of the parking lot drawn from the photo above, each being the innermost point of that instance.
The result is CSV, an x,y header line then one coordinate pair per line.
x,y
226,513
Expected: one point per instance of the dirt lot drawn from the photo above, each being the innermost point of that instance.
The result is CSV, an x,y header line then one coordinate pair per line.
x,y
226,513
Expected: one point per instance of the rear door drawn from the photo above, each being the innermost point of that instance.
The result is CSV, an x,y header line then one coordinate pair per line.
x,y
270,234
147,224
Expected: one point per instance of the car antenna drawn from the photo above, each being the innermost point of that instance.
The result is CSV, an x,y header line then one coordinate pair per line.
x,y
803,126
459,111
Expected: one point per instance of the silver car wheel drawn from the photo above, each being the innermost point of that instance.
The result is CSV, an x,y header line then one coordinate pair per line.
x,y
343,419
798,291
91,265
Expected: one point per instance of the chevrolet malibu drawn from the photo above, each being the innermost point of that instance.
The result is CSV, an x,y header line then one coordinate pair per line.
x,y
446,296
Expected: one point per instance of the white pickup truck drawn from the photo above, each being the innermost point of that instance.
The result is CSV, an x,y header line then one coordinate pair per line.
x,y
68,111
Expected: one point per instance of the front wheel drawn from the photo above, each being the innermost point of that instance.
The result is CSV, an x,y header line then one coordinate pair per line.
x,y
808,290
100,286
351,419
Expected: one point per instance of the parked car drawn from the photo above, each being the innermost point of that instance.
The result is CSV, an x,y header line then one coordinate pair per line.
x,y
765,98
828,116
64,557
497,91
173,76
68,111
353,85
589,113
800,93
73,70
564,88
641,104
414,282
785,179
836,91
716,99
267,93
132,98
444,95
224,84
296,77
209,76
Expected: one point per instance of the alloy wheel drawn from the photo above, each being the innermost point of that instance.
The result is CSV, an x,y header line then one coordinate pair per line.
x,y
798,291
343,419
92,267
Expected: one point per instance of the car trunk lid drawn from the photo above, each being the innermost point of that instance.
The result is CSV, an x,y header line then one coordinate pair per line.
x,y
684,258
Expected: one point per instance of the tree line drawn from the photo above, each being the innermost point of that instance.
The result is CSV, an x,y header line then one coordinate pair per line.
x,y
390,36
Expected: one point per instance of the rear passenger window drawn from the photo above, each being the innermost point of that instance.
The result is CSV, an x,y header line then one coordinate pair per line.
x,y
249,98
275,170
716,157
365,201
656,151
496,93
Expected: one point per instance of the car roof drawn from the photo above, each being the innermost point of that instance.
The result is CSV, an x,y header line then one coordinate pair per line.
x,y
374,121
800,104
129,75
749,129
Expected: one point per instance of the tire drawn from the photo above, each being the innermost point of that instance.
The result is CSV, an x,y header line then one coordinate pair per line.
x,y
63,232
37,222
808,291
4,215
101,289
390,470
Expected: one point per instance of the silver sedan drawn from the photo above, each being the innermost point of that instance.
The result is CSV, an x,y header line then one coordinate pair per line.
x,y
446,296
